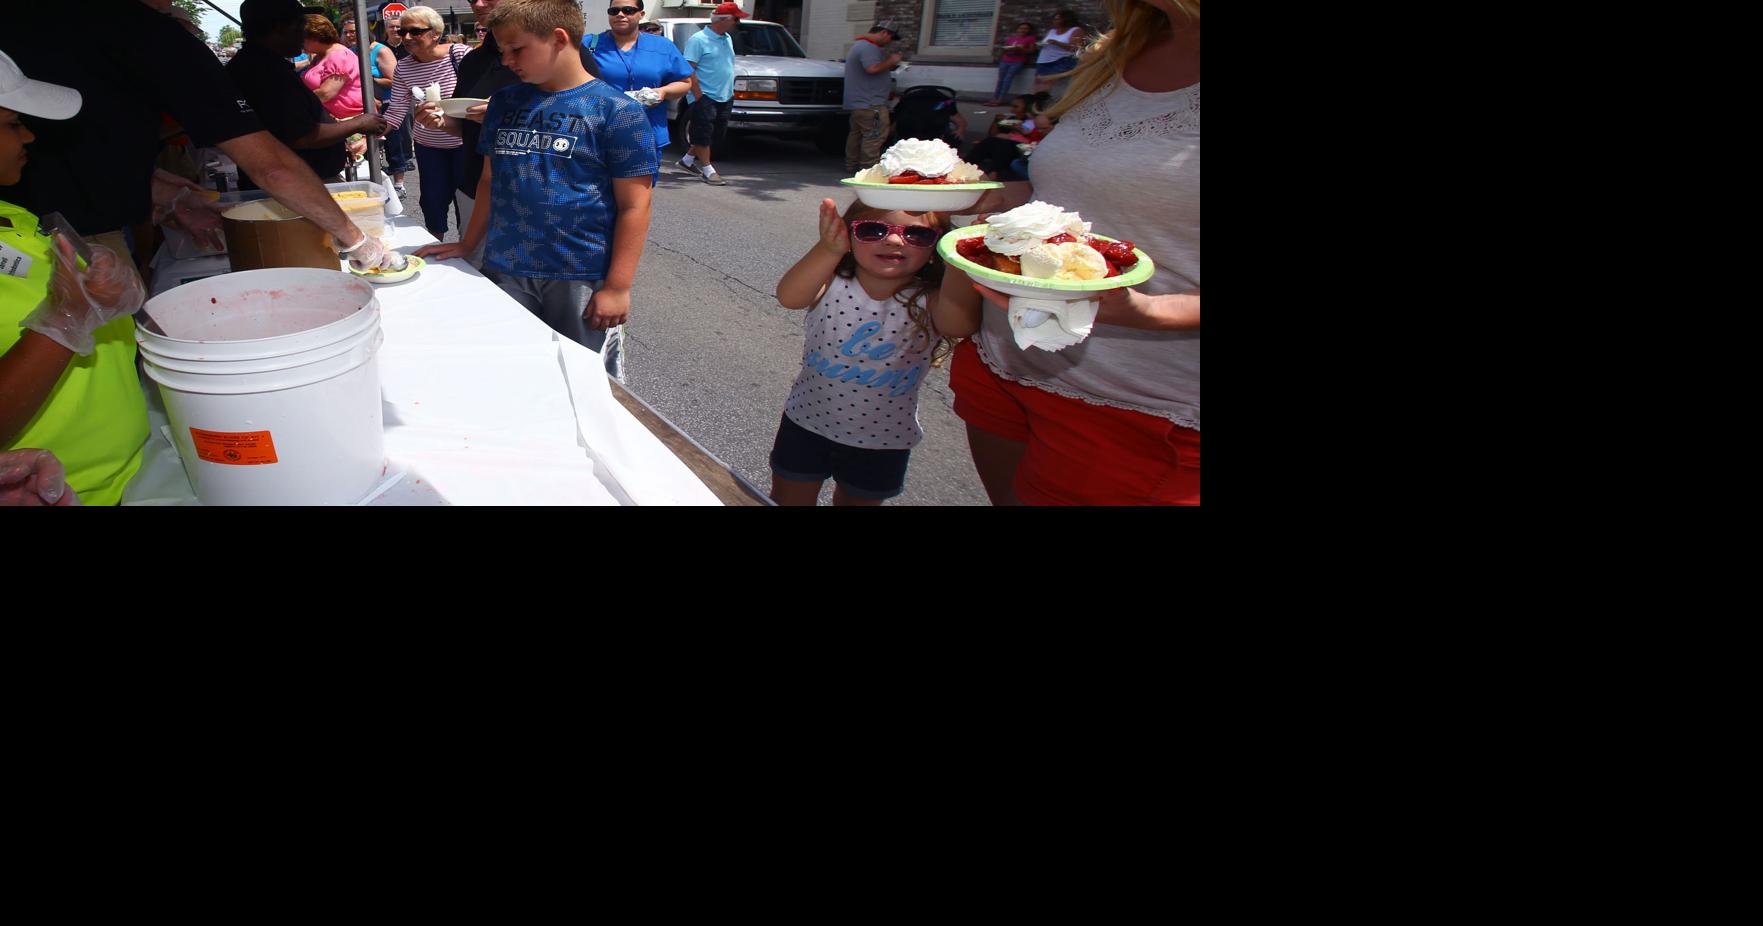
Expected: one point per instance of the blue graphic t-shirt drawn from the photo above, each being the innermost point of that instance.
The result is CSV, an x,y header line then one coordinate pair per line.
x,y
553,157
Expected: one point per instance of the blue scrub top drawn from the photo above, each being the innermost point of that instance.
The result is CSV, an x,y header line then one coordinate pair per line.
x,y
652,62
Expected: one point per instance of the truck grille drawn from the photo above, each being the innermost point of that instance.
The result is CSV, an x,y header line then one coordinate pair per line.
x,y
811,91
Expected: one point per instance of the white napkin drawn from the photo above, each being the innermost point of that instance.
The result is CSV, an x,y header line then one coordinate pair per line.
x,y
648,96
1049,324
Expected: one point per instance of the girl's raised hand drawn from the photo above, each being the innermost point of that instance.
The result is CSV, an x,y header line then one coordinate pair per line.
x,y
835,235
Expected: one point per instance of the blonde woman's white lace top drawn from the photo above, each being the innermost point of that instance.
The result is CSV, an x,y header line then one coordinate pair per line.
x,y
1128,162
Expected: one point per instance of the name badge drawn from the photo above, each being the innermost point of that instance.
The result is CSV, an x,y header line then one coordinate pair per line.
x,y
13,262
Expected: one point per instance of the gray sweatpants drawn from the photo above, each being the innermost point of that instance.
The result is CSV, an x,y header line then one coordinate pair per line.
x,y
561,304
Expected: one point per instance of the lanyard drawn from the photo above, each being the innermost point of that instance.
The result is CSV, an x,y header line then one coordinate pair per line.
x,y
630,75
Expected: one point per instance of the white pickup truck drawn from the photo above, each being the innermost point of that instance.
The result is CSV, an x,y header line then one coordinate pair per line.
x,y
779,90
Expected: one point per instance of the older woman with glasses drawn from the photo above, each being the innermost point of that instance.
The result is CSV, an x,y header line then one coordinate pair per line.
x,y
648,68
440,156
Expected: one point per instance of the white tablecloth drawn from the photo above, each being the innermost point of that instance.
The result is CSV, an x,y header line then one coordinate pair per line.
x,y
484,405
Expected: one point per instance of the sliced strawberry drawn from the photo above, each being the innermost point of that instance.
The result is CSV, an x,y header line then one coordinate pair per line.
x,y
905,178
967,247
1113,271
1060,239
983,258
1117,252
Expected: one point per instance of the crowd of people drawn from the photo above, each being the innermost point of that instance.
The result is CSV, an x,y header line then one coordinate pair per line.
x,y
551,182
878,115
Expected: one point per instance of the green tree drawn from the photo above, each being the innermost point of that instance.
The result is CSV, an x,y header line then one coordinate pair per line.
x,y
229,34
194,8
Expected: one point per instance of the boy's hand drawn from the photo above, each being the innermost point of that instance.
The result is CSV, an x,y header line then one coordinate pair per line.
x,y
607,308
441,252
835,235
476,113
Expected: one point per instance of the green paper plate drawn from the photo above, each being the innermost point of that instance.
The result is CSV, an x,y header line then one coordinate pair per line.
x,y
1139,273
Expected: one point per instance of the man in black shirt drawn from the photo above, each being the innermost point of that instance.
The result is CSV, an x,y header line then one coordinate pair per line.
x,y
275,32
97,168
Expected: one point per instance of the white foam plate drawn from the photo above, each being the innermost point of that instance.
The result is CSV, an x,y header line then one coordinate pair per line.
x,y
412,267
457,106
921,197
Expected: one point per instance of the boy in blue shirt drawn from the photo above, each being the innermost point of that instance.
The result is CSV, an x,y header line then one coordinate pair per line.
x,y
568,167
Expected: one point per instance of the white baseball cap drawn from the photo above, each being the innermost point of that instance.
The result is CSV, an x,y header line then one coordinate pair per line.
x,y
34,97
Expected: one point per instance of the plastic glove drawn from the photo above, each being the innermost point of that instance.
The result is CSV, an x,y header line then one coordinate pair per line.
x,y
199,218
648,96
82,301
183,204
34,479
168,189
369,254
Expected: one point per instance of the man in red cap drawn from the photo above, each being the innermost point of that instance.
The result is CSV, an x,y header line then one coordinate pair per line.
x,y
712,56
868,83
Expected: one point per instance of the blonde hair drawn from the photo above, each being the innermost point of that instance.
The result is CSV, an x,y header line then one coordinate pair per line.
x,y
539,17
1136,24
425,15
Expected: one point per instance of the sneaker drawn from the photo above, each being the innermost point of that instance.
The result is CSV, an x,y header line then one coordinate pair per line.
x,y
688,168
713,178
399,189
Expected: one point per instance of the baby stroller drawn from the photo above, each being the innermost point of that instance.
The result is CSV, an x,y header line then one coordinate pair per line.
x,y
924,112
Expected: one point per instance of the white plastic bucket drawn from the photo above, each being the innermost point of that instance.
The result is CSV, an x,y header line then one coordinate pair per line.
x,y
271,382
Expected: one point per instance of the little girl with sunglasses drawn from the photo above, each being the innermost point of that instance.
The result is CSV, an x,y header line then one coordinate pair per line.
x,y
870,286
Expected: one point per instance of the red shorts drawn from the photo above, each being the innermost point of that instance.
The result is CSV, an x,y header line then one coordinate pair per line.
x,y
1078,453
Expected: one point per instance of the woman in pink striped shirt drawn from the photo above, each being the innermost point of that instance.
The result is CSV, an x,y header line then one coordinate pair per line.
x,y
440,157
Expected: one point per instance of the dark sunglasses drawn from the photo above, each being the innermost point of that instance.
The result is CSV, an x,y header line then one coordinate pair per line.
x,y
407,33
919,236
624,10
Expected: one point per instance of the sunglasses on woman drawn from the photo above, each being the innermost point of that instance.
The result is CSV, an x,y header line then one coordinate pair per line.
x,y
919,236
407,33
623,10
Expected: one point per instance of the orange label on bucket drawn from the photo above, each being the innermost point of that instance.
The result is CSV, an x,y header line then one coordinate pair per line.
x,y
247,448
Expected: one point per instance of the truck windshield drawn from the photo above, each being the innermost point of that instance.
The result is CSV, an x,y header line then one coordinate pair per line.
x,y
756,39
